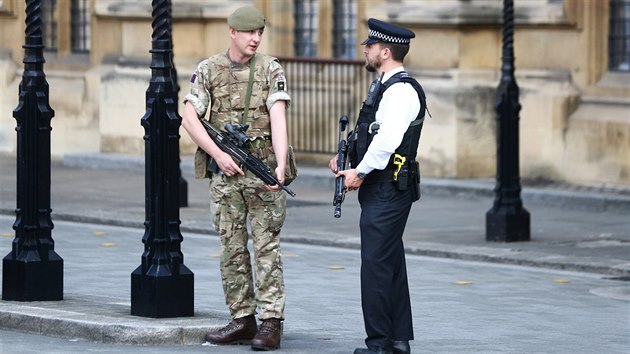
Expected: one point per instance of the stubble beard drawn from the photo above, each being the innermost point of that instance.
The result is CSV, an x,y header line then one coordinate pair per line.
x,y
372,66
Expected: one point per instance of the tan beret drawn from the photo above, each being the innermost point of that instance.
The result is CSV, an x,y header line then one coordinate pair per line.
x,y
246,18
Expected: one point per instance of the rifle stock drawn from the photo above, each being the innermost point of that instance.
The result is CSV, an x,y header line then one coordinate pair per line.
x,y
236,144
342,156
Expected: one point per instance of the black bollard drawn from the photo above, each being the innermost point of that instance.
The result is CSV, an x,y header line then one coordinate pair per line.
x,y
507,220
183,184
162,286
33,271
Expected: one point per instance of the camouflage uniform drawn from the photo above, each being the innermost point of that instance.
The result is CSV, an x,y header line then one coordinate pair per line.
x,y
218,89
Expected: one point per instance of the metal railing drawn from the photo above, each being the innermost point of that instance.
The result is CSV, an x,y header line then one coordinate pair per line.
x,y
322,90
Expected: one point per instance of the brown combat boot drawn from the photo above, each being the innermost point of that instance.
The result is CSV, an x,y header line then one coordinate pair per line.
x,y
238,331
268,336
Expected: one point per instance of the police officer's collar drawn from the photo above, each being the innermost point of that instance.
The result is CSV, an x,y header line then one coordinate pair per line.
x,y
391,73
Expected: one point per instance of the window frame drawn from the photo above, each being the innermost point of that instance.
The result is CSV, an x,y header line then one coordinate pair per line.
x,y
80,31
50,25
344,31
306,17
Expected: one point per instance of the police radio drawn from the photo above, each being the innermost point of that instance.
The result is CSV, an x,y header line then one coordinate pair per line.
x,y
374,91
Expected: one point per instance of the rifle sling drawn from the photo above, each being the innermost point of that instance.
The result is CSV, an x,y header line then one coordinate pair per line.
x,y
252,66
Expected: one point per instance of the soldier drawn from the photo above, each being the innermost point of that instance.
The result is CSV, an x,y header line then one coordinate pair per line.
x,y
223,91
382,150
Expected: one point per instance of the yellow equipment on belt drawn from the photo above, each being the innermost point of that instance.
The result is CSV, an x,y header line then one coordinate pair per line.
x,y
399,161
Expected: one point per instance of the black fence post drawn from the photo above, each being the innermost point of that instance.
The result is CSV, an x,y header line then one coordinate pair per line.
x,y
33,271
507,220
162,286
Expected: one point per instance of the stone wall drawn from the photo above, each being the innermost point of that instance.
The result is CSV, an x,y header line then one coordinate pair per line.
x,y
574,121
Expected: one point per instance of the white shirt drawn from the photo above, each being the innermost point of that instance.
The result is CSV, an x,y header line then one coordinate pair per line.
x,y
398,108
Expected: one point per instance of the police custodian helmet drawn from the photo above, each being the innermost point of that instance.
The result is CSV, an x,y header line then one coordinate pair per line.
x,y
388,33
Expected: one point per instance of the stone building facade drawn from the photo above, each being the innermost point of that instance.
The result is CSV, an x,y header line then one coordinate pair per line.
x,y
575,116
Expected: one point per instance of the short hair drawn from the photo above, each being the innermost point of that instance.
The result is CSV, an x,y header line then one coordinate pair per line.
x,y
399,51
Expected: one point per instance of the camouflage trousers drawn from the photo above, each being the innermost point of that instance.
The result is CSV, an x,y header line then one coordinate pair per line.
x,y
237,200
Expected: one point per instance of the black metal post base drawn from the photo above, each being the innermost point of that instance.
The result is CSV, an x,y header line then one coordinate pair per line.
x,y
164,296
504,225
32,279
32,271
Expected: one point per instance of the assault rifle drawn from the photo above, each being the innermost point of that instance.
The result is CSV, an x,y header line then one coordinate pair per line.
x,y
342,156
236,144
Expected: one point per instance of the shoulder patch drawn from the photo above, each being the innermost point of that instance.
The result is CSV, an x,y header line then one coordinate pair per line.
x,y
281,83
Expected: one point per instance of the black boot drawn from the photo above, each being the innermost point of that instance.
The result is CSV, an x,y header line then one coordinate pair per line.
x,y
372,351
401,347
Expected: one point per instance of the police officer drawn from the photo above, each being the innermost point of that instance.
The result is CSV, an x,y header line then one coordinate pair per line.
x,y
382,151
219,91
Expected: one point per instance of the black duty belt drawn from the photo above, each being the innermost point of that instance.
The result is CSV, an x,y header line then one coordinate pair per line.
x,y
379,176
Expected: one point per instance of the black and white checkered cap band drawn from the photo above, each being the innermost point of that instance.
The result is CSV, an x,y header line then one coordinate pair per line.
x,y
387,38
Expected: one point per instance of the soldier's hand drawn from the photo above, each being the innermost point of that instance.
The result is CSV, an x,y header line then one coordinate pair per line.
x,y
280,176
227,164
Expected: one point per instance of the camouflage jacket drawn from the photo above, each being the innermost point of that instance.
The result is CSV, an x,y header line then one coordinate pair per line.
x,y
218,90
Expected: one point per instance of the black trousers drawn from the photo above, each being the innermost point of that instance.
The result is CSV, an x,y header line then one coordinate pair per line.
x,y
384,289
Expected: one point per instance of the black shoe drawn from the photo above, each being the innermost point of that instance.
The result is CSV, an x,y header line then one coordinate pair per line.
x,y
401,347
372,351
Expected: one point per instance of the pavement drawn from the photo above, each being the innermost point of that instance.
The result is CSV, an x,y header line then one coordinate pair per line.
x,y
577,233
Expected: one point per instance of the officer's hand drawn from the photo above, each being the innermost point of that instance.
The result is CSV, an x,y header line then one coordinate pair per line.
x,y
333,164
352,181
227,164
